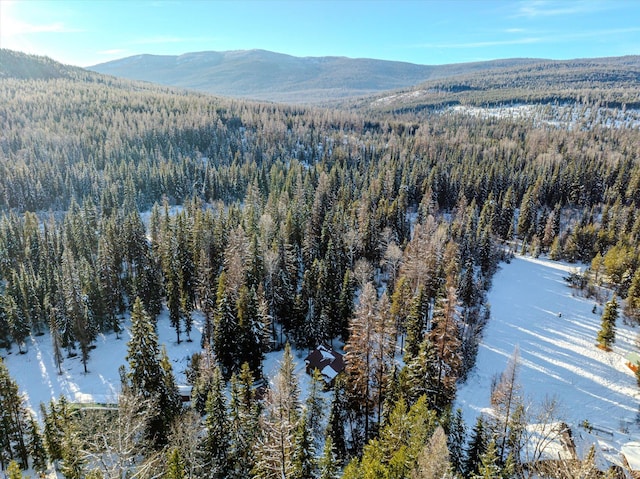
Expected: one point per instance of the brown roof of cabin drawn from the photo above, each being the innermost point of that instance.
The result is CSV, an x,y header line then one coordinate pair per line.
x,y
321,357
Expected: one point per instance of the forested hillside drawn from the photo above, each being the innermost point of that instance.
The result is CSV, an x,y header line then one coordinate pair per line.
x,y
296,227
270,76
605,82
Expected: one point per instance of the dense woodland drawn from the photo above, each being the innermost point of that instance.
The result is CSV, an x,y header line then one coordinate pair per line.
x,y
286,227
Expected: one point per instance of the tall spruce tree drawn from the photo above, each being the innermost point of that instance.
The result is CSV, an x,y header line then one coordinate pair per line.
x,y
36,447
607,333
225,329
303,461
328,465
456,441
476,448
149,376
215,447
275,447
244,413
14,421
176,467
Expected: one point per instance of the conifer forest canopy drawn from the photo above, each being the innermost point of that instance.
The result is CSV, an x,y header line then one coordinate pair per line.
x,y
374,227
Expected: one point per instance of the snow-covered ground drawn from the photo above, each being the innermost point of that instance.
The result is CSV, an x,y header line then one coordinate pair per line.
x,y
38,379
532,307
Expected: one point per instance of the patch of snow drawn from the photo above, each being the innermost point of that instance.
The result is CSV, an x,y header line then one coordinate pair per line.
x,y
631,452
558,354
38,379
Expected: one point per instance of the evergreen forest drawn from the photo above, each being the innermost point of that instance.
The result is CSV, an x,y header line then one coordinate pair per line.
x,y
376,232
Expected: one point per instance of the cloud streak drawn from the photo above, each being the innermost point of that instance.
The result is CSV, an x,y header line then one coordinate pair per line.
x,y
483,44
546,37
547,8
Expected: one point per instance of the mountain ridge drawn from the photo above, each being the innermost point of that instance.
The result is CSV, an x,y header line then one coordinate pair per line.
x,y
265,75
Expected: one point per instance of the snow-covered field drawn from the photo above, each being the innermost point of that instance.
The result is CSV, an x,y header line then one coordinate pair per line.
x,y
532,307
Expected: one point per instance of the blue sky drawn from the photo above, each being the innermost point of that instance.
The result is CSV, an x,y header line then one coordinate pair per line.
x,y
85,32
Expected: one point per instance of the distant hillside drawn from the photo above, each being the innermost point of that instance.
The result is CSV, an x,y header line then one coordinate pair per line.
x,y
22,66
264,75
613,82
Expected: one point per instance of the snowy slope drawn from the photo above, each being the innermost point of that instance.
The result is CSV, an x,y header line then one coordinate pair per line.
x,y
558,356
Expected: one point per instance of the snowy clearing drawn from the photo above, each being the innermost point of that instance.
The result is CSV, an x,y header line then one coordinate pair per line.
x,y
38,379
558,355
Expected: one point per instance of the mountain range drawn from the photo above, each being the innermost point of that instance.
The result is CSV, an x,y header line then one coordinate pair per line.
x,y
265,75
375,86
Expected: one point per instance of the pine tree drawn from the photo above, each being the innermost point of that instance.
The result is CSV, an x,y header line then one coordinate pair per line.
x,y
203,378
315,405
217,440
504,225
54,423
150,376
73,461
19,327
36,447
186,272
281,413
328,465
172,289
420,375
76,310
632,303
250,344
14,421
337,419
225,329
489,463
345,304
5,328
303,462
109,268
415,322
169,397
56,337
14,471
176,468
243,414
527,216
456,441
476,448
607,333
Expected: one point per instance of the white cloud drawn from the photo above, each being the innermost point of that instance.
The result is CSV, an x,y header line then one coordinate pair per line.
x,y
549,8
482,44
12,27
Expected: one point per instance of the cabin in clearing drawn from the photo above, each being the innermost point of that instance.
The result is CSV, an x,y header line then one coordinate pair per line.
x,y
329,362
